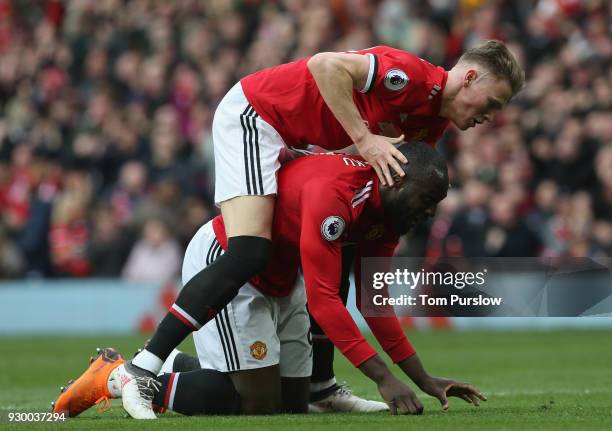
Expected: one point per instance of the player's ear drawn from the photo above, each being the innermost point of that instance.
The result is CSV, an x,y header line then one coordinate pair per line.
x,y
470,76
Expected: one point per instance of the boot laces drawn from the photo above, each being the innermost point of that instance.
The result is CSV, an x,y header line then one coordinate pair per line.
x,y
147,386
104,404
344,390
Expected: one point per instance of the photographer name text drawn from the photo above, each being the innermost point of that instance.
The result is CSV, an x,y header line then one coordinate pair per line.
x,y
440,301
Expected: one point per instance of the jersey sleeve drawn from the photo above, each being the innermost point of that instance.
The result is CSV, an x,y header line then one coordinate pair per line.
x,y
396,77
385,328
325,217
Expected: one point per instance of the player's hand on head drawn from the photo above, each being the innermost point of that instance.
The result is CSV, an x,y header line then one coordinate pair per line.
x,y
400,398
381,153
441,389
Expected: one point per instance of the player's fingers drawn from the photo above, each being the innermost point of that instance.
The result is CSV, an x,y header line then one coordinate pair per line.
x,y
473,391
474,399
404,407
397,140
397,154
395,165
385,170
476,392
392,407
466,399
418,406
380,175
443,401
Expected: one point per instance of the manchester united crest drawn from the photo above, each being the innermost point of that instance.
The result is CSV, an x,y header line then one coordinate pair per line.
x,y
375,232
259,350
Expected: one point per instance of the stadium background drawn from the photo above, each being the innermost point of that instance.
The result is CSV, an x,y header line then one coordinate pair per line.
x,y
106,157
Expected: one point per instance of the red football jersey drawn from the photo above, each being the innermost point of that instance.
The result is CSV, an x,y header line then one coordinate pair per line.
x,y
402,95
323,201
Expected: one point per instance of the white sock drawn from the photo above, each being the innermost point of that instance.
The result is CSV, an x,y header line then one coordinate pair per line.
x,y
168,365
148,361
114,384
320,386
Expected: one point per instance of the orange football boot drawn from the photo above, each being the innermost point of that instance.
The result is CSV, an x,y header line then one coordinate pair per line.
x,y
92,387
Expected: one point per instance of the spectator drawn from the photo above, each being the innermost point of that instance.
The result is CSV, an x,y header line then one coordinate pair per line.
x,y
195,213
129,192
69,233
109,245
156,257
12,264
466,236
131,88
603,196
506,234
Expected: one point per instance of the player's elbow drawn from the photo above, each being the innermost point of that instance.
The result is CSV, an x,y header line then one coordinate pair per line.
x,y
322,63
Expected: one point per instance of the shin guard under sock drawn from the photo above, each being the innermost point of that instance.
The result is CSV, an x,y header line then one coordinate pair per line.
x,y
209,291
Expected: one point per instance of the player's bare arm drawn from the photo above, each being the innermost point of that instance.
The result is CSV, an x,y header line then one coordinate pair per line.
x,y
401,399
336,75
439,387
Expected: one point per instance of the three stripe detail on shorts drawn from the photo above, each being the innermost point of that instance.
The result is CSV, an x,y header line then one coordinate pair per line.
x,y
252,163
226,335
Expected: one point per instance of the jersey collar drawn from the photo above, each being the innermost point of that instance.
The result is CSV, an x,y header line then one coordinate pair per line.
x,y
437,101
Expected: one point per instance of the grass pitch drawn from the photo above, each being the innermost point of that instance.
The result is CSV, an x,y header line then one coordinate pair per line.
x,y
560,380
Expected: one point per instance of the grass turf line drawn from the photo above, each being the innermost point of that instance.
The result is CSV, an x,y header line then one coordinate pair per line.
x,y
558,380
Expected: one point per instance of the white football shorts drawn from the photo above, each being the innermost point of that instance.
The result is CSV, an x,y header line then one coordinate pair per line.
x,y
247,149
254,330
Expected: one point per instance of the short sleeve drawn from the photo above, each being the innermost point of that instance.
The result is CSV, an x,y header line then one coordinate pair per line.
x,y
395,76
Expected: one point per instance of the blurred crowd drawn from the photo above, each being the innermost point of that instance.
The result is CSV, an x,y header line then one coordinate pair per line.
x,y
106,109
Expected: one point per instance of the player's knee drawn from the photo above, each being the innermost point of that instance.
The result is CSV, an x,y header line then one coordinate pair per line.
x,y
228,399
204,392
184,362
217,392
251,252
259,389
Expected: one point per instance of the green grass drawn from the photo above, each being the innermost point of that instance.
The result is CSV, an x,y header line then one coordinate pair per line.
x,y
558,380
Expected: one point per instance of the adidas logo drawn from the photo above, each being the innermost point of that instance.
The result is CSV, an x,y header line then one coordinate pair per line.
x,y
435,90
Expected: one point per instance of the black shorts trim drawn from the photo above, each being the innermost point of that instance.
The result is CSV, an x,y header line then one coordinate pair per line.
x,y
252,158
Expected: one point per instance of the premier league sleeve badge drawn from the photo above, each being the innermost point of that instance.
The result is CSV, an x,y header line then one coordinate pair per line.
x,y
396,79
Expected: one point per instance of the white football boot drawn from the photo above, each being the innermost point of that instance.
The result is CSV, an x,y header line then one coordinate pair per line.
x,y
137,389
343,400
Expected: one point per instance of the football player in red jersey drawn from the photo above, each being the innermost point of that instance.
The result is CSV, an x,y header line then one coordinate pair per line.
x,y
260,340
327,200
373,98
